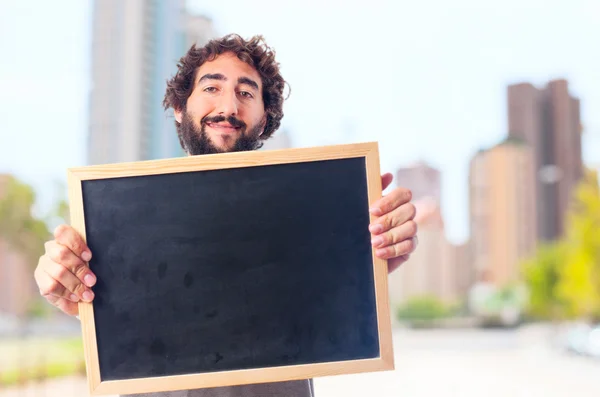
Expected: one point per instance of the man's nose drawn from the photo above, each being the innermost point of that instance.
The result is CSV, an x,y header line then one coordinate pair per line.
x,y
227,105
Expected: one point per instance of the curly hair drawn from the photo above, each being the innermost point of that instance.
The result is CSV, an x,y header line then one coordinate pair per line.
x,y
254,52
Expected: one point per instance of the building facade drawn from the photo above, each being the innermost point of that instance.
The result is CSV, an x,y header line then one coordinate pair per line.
x,y
437,268
548,119
136,46
503,214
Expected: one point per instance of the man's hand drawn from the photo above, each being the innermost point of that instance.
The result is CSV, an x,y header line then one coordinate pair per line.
x,y
393,231
62,274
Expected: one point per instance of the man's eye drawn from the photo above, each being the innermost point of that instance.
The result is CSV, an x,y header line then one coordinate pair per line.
x,y
246,94
210,89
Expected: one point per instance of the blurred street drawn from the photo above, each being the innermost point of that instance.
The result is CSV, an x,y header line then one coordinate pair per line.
x,y
470,362
473,362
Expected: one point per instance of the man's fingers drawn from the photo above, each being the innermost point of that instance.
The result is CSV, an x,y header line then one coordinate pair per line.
x,y
402,214
64,276
394,199
50,287
66,306
62,255
67,236
396,235
386,180
399,249
66,279
62,272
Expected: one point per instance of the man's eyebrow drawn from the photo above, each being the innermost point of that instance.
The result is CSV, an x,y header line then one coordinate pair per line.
x,y
249,81
215,76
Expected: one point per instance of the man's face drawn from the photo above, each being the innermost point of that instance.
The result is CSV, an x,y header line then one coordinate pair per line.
x,y
225,111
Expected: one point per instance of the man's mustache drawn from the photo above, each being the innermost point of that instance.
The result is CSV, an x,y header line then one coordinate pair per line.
x,y
235,122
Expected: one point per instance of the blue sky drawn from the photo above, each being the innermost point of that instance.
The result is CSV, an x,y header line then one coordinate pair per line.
x,y
426,79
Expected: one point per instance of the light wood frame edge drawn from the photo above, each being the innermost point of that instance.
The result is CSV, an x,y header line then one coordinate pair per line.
x,y
247,376
222,161
86,310
380,266
368,150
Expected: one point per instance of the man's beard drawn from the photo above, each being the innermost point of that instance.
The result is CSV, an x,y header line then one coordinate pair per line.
x,y
196,141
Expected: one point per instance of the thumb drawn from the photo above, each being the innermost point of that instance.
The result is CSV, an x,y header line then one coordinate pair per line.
x,y
386,179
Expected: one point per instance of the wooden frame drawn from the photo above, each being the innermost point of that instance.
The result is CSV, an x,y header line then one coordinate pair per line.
x,y
385,361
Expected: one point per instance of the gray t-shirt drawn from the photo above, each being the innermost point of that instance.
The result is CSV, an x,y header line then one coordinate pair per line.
x,y
296,388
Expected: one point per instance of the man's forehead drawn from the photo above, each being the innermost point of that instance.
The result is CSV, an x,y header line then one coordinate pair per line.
x,y
230,66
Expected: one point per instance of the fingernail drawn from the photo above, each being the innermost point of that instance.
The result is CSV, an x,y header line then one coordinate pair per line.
x,y
375,211
88,296
74,298
89,280
86,256
380,252
376,228
377,241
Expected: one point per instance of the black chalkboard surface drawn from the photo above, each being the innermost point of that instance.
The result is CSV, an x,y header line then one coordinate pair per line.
x,y
231,269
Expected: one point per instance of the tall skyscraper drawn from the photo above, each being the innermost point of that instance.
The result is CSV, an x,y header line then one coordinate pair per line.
x,y
548,119
136,45
502,210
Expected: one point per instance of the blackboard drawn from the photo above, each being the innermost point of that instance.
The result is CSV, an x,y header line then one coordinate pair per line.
x,y
232,268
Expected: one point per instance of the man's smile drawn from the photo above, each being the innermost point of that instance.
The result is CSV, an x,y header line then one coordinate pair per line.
x,y
223,127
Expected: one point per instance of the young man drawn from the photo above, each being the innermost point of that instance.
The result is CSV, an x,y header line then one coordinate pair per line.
x,y
227,96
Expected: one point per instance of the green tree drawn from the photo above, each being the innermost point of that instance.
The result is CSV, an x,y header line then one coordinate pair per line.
x,y
563,278
422,309
579,281
19,228
542,274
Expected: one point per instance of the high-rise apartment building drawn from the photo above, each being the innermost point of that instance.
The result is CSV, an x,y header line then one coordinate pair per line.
x,y
135,49
503,214
548,119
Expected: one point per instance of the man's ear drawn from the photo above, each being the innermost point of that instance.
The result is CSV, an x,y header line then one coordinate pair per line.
x,y
263,125
178,115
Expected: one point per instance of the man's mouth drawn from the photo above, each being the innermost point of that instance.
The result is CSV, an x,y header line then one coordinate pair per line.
x,y
223,127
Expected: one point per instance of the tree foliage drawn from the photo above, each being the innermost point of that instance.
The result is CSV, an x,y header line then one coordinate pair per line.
x,y
563,278
579,280
19,227
542,275
422,308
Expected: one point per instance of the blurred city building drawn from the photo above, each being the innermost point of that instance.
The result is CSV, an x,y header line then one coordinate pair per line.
x,y
437,268
548,119
422,180
136,45
463,276
519,192
17,288
502,210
